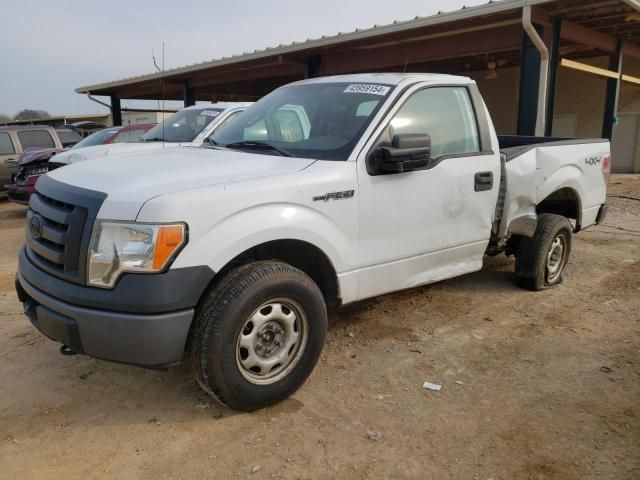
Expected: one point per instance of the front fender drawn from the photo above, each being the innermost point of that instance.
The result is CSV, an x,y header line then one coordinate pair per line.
x,y
263,223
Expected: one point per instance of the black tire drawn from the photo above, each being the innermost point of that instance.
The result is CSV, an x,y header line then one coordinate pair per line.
x,y
532,268
222,317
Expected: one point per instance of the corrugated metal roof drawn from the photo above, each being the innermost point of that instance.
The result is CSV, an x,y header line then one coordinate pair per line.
x,y
494,6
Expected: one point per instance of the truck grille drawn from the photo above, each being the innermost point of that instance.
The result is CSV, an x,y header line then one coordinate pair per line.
x,y
59,223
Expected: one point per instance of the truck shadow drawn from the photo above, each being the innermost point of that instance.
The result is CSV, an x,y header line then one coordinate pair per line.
x,y
497,275
80,391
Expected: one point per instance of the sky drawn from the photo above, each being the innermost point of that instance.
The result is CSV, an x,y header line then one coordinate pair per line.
x,y
51,48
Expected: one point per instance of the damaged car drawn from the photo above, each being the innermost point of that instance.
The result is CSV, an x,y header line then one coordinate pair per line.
x,y
31,165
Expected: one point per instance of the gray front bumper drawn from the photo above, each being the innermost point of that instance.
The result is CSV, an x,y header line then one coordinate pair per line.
x,y
146,340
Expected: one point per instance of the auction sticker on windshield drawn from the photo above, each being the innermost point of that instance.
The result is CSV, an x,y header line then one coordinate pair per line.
x,y
210,113
368,88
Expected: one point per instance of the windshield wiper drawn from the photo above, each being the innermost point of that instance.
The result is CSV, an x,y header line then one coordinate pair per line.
x,y
153,139
258,145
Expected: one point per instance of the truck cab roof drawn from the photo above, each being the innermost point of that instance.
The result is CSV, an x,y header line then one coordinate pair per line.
x,y
221,105
391,78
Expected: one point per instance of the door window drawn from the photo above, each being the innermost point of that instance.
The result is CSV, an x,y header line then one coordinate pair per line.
x,y
444,113
35,139
6,145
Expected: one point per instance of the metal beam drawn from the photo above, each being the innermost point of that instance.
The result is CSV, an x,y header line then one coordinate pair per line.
x,y
529,85
588,36
613,93
259,73
583,67
188,95
554,64
313,66
473,43
116,111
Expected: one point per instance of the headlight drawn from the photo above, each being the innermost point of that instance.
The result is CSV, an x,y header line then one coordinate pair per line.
x,y
118,247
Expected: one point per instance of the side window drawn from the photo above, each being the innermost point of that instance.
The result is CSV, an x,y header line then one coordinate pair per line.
x,y
35,139
444,113
6,145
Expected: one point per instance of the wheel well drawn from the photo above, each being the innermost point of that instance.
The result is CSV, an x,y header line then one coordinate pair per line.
x,y
565,202
302,255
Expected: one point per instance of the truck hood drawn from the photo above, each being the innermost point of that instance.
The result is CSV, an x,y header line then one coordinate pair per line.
x,y
99,151
129,180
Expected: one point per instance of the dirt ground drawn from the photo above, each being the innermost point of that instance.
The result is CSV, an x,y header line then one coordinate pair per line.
x,y
535,385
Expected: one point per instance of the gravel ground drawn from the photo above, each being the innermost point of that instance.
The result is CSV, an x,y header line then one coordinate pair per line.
x,y
535,385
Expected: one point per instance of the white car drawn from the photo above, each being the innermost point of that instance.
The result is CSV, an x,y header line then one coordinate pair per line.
x,y
191,125
324,192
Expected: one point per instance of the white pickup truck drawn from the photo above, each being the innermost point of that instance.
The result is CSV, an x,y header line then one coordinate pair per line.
x,y
191,125
325,192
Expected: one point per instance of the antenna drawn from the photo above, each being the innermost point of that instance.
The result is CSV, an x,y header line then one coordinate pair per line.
x,y
162,80
155,64
161,71
405,65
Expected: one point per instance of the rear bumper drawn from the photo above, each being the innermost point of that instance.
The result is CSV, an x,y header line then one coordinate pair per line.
x,y
153,341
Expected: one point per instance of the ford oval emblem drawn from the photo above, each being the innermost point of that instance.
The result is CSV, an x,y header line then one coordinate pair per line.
x,y
35,226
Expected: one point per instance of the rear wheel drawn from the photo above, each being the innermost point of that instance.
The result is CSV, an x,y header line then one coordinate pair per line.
x,y
258,335
541,260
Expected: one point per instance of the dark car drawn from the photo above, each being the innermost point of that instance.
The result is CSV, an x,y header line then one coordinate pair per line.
x,y
36,162
68,138
17,139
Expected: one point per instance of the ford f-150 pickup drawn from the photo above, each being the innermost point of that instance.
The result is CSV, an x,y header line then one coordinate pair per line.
x,y
324,192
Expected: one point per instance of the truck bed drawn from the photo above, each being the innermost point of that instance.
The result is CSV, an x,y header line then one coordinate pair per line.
x,y
512,146
537,167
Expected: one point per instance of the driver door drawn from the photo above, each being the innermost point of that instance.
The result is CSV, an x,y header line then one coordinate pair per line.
x,y
426,225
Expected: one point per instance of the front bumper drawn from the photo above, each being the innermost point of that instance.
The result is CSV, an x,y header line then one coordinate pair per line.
x,y
144,340
108,324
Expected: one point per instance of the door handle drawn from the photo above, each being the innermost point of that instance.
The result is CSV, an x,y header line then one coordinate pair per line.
x,y
483,181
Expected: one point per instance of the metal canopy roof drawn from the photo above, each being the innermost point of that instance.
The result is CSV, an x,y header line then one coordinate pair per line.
x,y
589,27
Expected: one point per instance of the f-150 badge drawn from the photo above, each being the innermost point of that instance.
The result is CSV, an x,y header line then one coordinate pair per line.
x,y
335,196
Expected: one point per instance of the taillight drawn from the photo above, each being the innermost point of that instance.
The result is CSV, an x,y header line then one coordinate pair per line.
x,y
606,167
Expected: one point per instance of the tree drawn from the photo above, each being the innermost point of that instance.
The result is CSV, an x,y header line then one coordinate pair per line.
x,y
28,114
4,118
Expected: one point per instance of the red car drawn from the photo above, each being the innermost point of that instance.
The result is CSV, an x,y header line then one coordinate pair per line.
x,y
129,134
37,162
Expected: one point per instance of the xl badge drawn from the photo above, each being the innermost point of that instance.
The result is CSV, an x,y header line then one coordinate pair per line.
x,y
35,226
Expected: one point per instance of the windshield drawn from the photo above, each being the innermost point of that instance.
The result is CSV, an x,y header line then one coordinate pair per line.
x,y
97,138
320,120
183,126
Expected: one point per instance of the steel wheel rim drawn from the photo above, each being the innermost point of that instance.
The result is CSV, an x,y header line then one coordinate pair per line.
x,y
272,341
556,258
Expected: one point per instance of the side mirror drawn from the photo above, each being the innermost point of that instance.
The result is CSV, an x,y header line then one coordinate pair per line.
x,y
408,151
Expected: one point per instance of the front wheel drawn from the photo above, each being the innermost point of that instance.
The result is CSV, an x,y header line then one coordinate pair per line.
x,y
258,335
541,260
